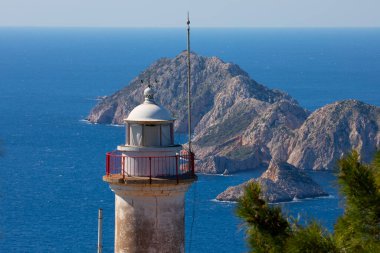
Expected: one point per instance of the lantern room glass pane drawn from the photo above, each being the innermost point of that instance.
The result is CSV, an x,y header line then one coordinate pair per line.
x,y
136,135
165,135
151,135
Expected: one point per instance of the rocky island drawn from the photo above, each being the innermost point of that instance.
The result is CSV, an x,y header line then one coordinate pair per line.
x,y
280,182
240,124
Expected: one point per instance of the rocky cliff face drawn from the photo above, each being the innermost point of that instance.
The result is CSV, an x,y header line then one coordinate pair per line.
x,y
280,182
333,130
266,132
285,131
239,124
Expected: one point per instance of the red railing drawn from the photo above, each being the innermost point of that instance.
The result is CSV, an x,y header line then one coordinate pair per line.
x,y
169,167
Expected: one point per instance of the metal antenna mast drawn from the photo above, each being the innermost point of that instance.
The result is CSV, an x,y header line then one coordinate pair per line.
x,y
188,80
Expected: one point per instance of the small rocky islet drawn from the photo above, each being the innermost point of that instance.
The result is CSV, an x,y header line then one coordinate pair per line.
x,y
279,183
240,124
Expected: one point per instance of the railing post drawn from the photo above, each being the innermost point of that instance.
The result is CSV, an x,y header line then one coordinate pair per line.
x,y
108,163
176,166
150,170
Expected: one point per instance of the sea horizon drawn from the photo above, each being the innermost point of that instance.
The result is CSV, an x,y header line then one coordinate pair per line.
x,y
196,27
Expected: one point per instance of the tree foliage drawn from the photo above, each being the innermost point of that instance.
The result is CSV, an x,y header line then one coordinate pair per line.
x,y
267,228
310,238
357,230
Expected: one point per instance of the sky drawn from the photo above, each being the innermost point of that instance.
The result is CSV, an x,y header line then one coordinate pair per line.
x,y
203,13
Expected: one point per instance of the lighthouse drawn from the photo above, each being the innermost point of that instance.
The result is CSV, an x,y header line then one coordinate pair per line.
x,y
149,175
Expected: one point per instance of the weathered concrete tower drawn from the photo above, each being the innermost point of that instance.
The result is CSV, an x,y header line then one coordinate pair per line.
x,y
149,176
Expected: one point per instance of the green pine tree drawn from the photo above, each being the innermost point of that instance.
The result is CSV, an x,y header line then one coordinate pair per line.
x,y
310,238
268,229
358,230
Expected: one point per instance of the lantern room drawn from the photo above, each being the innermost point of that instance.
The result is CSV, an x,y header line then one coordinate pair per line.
x,y
149,124
149,150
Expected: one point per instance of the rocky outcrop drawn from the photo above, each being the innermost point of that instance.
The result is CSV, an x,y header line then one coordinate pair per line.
x,y
332,131
214,84
240,124
284,131
280,182
268,134
234,193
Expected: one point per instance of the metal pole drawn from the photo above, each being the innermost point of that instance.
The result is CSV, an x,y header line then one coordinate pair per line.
x,y
100,232
188,80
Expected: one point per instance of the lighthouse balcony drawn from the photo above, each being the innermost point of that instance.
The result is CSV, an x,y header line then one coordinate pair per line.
x,y
129,168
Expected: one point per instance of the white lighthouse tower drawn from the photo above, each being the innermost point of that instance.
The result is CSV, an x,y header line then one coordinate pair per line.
x,y
149,175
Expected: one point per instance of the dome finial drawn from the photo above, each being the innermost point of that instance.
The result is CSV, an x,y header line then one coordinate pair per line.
x,y
148,94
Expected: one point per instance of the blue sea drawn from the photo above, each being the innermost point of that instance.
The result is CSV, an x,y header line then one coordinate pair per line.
x,y
52,160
